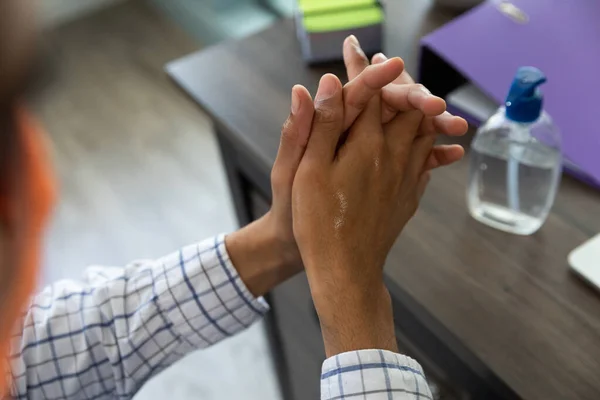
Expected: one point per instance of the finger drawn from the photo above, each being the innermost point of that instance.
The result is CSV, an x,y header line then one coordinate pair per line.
x,y
354,57
400,133
427,127
294,138
420,151
359,91
403,79
419,96
443,155
413,97
387,112
367,129
451,125
378,58
445,123
422,184
327,125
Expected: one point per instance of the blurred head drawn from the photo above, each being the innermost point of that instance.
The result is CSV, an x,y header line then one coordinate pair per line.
x,y
26,189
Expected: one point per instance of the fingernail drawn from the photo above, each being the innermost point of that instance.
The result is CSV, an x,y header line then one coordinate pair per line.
x,y
425,90
356,45
359,51
295,101
327,88
392,60
381,57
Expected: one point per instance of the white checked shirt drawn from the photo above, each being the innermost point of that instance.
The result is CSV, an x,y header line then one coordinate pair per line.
x,y
103,338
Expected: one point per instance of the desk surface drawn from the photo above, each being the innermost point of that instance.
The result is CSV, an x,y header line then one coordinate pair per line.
x,y
510,301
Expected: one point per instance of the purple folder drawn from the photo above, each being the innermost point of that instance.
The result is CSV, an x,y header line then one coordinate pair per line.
x,y
562,38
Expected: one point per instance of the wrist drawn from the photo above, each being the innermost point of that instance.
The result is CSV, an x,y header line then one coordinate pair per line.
x,y
355,318
340,277
261,257
281,242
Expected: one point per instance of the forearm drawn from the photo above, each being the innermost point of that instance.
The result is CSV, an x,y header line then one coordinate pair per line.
x,y
108,334
353,316
360,342
353,320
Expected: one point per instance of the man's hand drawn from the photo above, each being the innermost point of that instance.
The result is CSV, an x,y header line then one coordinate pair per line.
x,y
349,204
265,252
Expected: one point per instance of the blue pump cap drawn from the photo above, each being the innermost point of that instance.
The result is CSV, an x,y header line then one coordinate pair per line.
x,y
524,100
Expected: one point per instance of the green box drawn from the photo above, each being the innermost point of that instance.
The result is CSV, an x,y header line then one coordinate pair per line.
x,y
322,26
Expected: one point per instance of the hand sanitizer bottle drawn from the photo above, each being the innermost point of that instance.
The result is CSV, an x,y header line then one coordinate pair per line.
x,y
515,161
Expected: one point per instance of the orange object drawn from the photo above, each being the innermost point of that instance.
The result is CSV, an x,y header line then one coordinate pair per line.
x,y
28,215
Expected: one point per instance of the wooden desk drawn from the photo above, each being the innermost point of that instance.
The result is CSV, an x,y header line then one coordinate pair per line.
x,y
499,316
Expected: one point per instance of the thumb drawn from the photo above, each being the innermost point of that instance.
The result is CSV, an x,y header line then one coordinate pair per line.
x,y
294,138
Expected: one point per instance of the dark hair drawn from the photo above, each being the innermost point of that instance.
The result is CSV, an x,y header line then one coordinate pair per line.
x,y
9,158
8,149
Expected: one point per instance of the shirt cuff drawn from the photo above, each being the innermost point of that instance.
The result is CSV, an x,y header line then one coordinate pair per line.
x,y
220,304
373,374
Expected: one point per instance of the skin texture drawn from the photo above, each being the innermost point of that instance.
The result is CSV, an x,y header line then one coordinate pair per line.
x,y
271,237
265,252
349,205
403,94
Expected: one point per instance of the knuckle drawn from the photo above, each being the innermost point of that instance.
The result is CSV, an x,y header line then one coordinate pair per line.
x,y
419,87
368,72
418,90
326,116
388,112
413,121
357,102
370,77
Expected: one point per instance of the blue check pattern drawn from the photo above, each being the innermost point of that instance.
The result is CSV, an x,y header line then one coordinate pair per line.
x,y
104,337
373,375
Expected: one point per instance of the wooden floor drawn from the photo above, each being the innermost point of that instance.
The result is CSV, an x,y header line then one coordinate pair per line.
x,y
139,169
140,175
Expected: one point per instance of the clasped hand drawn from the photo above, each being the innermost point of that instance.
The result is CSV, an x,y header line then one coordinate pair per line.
x,y
350,172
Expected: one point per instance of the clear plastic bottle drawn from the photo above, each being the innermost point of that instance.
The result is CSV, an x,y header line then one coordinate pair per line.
x,y
515,161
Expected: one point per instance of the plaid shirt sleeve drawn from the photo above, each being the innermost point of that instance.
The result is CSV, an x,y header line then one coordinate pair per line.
x,y
104,337
373,375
